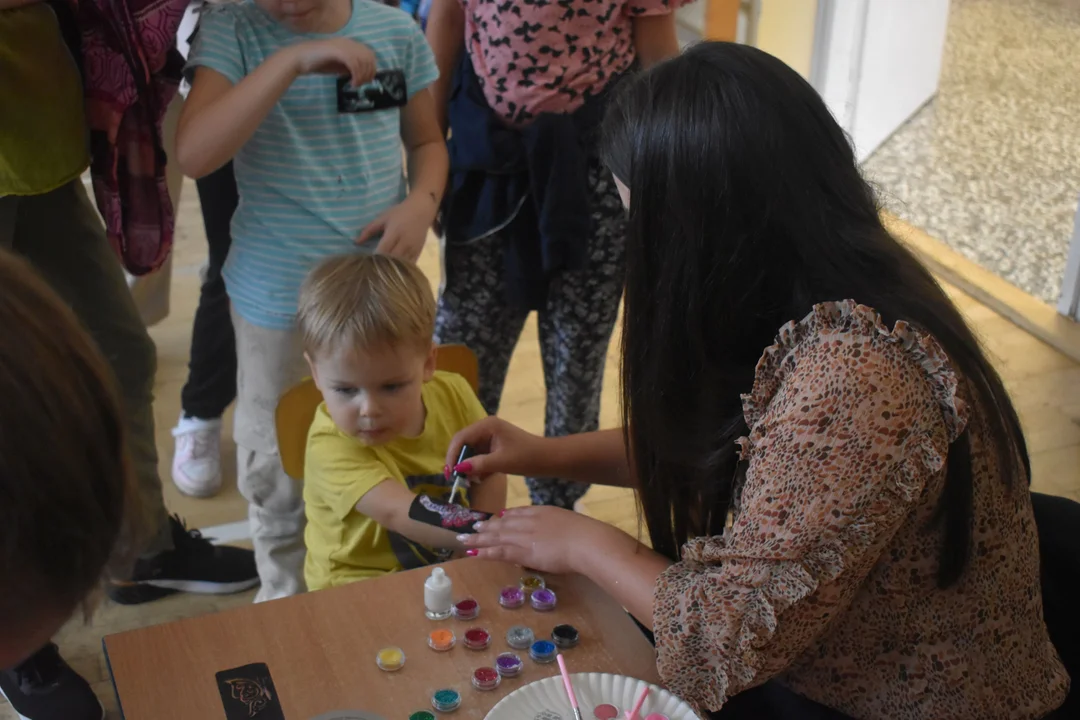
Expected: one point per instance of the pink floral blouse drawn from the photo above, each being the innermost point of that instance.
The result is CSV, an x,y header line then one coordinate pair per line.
x,y
827,579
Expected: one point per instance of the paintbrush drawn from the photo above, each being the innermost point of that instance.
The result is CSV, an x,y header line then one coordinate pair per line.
x,y
569,687
465,454
633,714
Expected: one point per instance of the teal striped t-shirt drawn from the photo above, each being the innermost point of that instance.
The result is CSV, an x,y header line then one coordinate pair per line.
x,y
310,178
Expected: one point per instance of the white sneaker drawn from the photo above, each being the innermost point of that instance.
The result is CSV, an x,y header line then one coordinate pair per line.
x,y
196,467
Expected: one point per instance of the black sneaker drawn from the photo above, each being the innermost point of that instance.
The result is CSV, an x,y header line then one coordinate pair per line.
x,y
194,565
46,688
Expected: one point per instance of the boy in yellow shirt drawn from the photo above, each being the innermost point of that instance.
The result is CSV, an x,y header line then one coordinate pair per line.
x,y
379,439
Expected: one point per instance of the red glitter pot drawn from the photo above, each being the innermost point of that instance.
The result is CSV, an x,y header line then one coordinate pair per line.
x,y
477,639
486,679
467,609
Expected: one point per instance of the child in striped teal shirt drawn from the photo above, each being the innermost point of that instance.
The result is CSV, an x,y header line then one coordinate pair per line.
x,y
313,182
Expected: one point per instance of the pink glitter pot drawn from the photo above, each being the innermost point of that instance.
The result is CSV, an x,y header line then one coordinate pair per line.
x,y
512,597
467,609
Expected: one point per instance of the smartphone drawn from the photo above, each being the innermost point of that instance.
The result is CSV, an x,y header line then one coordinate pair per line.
x,y
387,90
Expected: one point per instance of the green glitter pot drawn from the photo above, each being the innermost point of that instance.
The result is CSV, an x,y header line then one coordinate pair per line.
x,y
422,715
446,700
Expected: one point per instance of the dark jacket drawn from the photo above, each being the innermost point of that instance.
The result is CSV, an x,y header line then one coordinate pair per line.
x,y
529,184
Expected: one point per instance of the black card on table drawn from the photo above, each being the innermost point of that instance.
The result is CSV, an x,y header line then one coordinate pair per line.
x,y
248,692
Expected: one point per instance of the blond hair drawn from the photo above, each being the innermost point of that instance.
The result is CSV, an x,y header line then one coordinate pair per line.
x,y
366,301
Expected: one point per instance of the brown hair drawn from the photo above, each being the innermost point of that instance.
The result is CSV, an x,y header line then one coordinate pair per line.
x,y
65,485
366,301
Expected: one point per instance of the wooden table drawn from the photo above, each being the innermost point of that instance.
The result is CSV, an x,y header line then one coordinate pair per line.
x,y
321,648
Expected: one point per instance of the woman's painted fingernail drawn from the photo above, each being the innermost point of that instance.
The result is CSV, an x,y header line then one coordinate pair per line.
x,y
472,552
465,467
501,513
478,525
462,538
446,471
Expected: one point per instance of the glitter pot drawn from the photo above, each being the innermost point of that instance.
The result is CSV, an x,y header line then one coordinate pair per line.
x,y
441,640
422,715
512,597
520,637
467,609
565,636
446,700
486,678
606,712
509,665
531,583
477,638
390,659
543,600
543,651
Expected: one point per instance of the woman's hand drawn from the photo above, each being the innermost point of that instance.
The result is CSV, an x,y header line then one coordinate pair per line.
x,y
336,56
498,447
547,539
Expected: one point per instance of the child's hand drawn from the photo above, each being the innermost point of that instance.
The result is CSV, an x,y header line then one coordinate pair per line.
x,y
336,56
546,539
404,228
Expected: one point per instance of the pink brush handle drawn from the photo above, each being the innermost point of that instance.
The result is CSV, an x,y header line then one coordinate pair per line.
x,y
633,714
566,681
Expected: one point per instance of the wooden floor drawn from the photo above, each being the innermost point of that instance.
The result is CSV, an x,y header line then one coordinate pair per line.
x,y
1045,386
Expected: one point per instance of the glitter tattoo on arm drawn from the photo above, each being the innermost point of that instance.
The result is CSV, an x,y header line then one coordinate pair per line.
x,y
450,517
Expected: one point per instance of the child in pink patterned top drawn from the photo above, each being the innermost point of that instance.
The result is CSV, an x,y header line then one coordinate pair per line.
x,y
536,58
540,71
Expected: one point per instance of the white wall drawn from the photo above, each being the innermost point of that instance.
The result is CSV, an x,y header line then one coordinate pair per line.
x,y
877,62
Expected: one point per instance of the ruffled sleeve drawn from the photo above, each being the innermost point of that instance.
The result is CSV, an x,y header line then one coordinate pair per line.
x,y
848,421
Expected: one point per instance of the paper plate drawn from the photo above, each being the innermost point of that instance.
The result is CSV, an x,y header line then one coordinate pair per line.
x,y
546,699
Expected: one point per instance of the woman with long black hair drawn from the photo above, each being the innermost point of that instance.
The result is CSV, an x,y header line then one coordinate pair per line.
x,y
839,515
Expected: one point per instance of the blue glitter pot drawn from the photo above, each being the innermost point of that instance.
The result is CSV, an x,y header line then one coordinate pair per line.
x,y
543,652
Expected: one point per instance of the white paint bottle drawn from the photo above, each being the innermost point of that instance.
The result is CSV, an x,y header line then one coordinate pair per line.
x,y
438,595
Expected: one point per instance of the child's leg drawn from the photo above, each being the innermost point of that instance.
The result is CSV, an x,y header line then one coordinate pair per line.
x,y
473,311
575,330
211,383
269,362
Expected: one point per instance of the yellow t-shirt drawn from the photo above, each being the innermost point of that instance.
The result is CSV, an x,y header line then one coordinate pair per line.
x,y
344,545
43,135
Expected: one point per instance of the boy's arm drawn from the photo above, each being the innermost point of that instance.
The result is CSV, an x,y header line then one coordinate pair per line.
x,y
404,227
655,38
219,117
426,148
446,35
388,504
490,495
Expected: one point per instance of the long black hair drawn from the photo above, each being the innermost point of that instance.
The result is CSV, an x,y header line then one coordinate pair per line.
x,y
747,208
